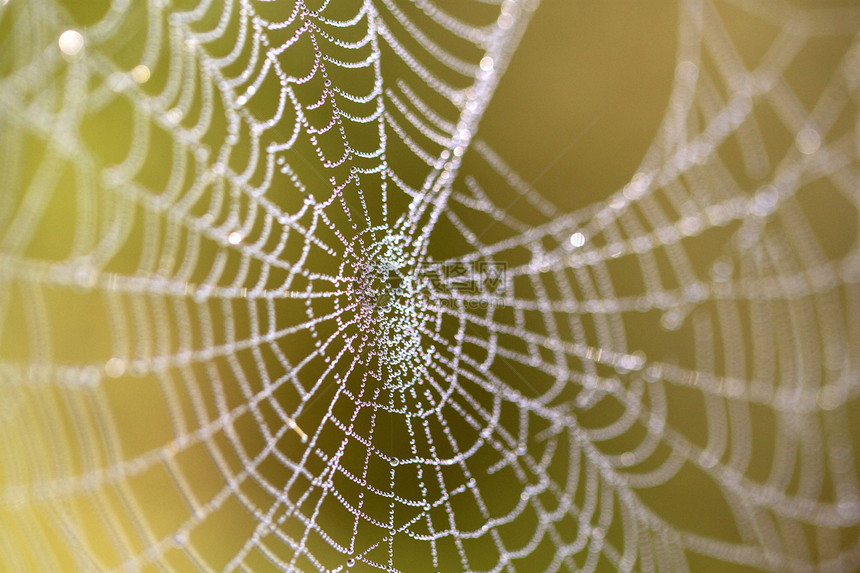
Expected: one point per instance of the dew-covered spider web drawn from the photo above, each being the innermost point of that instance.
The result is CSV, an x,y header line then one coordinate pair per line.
x,y
268,301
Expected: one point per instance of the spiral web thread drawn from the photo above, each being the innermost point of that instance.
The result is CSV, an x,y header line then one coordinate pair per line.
x,y
205,362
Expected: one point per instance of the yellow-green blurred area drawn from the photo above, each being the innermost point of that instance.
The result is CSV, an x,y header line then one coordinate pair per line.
x,y
201,204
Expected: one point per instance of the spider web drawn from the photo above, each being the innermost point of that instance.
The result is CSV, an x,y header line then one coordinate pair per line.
x,y
268,304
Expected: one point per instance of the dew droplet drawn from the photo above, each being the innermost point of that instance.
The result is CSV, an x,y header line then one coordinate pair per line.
x,y
115,367
808,140
672,320
141,74
71,43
